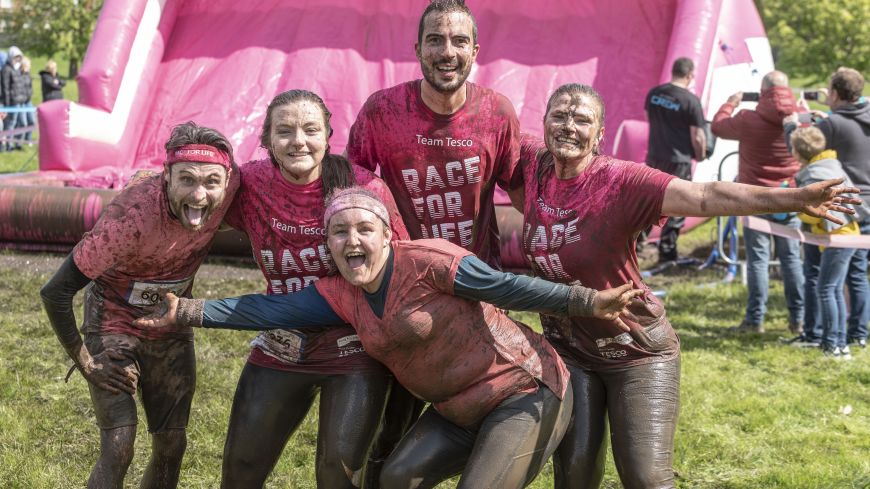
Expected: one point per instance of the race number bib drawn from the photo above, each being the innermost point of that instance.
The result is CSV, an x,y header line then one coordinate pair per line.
x,y
284,345
145,294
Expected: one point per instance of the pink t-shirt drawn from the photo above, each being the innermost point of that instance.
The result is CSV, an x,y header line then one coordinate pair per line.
x,y
284,223
585,228
137,250
442,169
463,356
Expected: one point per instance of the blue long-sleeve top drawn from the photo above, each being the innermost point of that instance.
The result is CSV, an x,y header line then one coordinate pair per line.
x,y
475,280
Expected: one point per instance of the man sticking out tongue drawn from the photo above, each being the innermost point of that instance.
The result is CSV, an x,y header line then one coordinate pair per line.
x,y
150,240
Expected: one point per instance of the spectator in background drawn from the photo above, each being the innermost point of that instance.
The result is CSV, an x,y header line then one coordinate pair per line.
x,y
11,90
676,135
26,119
765,160
52,83
3,57
847,131
826,267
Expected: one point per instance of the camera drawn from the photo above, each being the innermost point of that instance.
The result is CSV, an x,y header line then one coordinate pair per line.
x,y
813,95
750,97
806,118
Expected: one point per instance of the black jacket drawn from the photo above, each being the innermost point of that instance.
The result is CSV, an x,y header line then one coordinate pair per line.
x,y
52,86
16,87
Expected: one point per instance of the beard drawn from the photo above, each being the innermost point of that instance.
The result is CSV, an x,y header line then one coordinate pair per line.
x,y
430,74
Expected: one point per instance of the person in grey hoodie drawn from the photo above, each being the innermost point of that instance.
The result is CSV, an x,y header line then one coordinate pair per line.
x,y
825,267
847,131
13,90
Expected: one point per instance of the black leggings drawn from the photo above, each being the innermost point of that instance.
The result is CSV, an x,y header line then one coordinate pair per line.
x,y
642,404
269,405
507,451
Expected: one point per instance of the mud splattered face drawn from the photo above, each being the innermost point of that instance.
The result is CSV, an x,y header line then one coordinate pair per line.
x,y
298,141
572,127
448,51
194,191
359,243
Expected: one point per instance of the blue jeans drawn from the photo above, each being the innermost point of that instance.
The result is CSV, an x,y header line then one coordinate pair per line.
x,y
812,312
9,123
26,119
757,260
859,291
833,267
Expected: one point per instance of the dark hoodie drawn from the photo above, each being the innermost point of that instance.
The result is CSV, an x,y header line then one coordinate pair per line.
x,y
848,132
52,86
764,157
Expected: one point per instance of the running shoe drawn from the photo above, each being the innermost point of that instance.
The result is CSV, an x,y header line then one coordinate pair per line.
x,y
859,342
845,354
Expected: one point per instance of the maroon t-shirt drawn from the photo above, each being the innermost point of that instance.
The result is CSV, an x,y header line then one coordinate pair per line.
x,y
284,223
464,356
138,250
585,228
442,169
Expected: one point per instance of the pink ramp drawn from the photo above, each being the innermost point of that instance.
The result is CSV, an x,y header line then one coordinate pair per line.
x,y
155,63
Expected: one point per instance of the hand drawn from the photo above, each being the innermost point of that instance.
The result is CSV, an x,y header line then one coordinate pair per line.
x,y
823,96
165,316
610,304
802,103
823,197
735,99
103,372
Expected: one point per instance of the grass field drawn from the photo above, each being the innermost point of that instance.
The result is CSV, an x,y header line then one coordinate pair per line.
x,y
754,414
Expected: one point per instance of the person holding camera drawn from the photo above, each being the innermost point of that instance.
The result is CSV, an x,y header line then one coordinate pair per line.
x,y
847,131
676,136
765,160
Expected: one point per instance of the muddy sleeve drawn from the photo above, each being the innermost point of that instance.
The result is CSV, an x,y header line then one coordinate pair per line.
x,y
303,309
57,298
475,280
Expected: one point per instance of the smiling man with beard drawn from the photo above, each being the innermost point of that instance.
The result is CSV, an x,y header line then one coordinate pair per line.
x,y
442,143
150,240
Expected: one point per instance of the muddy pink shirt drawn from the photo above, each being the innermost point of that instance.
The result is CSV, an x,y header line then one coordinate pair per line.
x,y
442,169
464,356
585,228
284,223
137,250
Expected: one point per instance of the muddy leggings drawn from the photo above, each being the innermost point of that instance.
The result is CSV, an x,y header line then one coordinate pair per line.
x,y
507,451
270,404
641,404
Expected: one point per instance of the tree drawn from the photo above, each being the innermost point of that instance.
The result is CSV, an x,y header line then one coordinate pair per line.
x,y
812,38
49,27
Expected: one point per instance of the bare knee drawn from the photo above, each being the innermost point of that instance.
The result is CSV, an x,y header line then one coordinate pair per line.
x,y
116,446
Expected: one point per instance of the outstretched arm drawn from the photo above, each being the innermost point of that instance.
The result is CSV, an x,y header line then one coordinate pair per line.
x,y
683,198
475,280
57,298
303,309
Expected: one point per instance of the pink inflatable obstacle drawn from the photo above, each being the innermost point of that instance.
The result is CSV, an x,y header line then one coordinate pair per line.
x,y
156,63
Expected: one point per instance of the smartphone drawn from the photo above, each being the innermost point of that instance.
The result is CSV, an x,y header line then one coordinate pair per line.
x,y
805,118
750,97
813,95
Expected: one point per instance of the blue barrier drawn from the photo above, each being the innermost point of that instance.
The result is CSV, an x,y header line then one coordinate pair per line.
x,y
14,110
